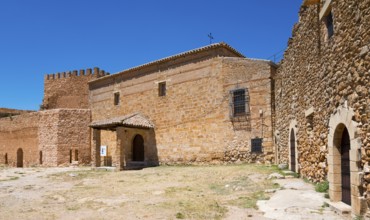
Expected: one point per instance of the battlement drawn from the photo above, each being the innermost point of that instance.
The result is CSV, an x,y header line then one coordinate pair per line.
x,y
88,72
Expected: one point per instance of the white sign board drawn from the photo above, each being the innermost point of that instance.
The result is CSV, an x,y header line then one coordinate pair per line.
x,y
103,151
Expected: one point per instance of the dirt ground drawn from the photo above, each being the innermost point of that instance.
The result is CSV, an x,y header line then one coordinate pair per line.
x,y
165,192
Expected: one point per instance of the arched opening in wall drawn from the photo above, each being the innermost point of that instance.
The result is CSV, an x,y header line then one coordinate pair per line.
x,y
19,157
138,148
6,159
40,157
292,151
345,146
70,156
76,155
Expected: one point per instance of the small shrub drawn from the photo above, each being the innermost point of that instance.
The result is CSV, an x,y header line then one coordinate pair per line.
x,y
322,187
179,215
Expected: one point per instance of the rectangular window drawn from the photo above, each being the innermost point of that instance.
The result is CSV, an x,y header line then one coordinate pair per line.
x,y
256,145
329,24
116,98
239,103
162,89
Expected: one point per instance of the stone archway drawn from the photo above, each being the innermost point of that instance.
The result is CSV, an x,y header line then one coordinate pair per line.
x,y
19,157
138,148
343,160
293,148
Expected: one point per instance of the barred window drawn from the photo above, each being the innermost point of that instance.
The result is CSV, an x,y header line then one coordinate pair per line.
x,y
256,145
239,102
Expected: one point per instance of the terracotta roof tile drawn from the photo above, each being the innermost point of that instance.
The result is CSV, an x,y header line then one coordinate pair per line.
x,y
133,120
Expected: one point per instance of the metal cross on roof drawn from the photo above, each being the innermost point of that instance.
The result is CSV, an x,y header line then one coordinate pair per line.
x,y
210,38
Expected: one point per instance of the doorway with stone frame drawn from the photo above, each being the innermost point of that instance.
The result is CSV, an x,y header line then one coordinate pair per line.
x,y
134,146
344,171
293,149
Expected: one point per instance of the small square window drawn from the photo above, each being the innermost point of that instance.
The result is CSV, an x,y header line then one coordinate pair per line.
x,y
116,98
256,145
162,89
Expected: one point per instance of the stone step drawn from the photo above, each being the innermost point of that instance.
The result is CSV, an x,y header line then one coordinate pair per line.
x,y
340,208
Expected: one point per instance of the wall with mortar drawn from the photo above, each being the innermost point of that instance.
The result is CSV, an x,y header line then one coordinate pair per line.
x,y
192,122
319,75
69,89
52,132
65,136
19,132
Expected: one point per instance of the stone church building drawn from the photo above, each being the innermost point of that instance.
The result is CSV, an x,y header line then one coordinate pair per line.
x,y
207,105
212,105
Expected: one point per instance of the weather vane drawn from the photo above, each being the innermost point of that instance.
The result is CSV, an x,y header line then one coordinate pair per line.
x,y
210,38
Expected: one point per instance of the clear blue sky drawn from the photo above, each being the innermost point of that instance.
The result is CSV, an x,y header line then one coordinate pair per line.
x,y
49,36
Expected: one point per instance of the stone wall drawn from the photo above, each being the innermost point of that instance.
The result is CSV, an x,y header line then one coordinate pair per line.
x,y
46,137
192,122
318,77
19,132
69,89
65,136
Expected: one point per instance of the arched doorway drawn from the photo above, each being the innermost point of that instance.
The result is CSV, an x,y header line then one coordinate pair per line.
x,y
138,148
19,157
292,151
345,146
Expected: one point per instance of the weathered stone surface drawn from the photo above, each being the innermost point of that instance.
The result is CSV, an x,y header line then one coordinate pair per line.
x,y
326,73
192,122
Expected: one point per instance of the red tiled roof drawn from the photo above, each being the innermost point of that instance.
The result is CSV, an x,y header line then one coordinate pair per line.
x,y
133,120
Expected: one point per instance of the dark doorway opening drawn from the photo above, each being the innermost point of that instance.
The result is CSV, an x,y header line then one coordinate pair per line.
x,y
292,151
40,157
70,156
76,155
345,167
19,157
138,148
6,158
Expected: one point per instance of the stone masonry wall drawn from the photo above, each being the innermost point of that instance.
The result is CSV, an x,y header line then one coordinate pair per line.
x,y
192,122
65,136
69,89
317,76
323,73
53,133
19,132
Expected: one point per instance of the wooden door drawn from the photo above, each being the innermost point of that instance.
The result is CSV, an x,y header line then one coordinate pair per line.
x,y
292,151
20,157
345,168
138,148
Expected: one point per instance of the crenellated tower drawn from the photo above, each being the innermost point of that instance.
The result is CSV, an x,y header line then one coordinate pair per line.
x,y
69,89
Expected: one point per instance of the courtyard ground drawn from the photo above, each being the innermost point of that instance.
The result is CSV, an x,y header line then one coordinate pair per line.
x,y
164,192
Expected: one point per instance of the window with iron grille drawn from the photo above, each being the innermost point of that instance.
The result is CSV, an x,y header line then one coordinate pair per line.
x,y
162,89
239,102
256,145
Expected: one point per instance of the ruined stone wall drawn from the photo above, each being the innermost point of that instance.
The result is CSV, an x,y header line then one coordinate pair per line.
x,y
318,76
69,89
19,132
192,122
